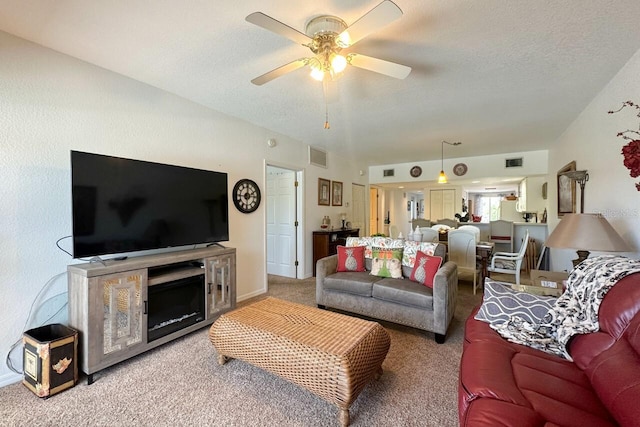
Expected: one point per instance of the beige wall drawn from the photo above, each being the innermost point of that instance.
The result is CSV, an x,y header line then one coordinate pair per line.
x,y
591,141
52,103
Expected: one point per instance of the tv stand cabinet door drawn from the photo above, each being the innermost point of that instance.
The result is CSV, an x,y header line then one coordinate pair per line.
x,y
122,299
221,284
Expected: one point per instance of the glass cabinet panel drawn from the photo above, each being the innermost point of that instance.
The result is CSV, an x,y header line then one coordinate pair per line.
x,y
123,310
219,280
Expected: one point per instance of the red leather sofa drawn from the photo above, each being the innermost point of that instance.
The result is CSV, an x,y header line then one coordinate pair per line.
x,y
506,384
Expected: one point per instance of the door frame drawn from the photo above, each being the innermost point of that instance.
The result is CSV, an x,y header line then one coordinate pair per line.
x,y
298,214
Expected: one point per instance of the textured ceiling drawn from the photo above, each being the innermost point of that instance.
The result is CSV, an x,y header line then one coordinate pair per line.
x,y
498,75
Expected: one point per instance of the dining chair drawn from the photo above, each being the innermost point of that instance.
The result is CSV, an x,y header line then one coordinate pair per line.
x,y
509,262
449,222
420,222
473,229
440,226
501,233
429,234
461,249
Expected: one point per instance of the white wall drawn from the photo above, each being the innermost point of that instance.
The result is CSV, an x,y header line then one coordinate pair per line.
x,y
534,163
591,141
51,103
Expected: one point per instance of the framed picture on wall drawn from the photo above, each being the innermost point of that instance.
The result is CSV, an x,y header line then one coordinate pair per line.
x,y
336,193
324,194
566,191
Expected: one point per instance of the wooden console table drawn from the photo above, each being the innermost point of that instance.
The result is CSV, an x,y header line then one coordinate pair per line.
x,y
111,303
325,242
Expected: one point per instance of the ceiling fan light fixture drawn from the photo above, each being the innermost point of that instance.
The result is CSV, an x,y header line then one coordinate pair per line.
x,y
317,74
317,71
338,63
327,35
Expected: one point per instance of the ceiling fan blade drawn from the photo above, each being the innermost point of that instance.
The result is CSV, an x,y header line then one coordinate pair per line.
x,y
381,15
381,66
275,26
280,71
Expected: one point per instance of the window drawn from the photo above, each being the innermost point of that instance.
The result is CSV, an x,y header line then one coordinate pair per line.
x,y
488,207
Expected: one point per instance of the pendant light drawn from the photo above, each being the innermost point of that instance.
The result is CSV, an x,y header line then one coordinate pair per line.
x,y
442,178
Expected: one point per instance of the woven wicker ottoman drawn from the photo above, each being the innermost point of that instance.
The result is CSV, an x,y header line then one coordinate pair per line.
x,y
332,355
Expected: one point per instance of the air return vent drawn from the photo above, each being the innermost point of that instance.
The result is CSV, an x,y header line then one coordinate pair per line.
x,y
388,172
317,157
513,163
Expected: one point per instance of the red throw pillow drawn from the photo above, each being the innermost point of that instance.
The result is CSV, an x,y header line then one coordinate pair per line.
x,y
351,258
425,268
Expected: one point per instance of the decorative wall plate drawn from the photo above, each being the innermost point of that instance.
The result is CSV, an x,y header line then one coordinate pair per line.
x,y
460,169
416,171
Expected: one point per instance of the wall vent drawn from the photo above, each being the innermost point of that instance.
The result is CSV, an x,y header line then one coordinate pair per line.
x,y
317,157
513,163
388,172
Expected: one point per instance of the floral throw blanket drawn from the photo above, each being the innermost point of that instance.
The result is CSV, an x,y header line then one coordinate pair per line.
x,y
576,310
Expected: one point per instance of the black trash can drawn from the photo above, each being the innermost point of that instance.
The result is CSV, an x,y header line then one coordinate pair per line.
x,y
50,359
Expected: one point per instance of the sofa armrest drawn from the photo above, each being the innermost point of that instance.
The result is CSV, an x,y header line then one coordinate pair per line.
x,y
445,296
324,267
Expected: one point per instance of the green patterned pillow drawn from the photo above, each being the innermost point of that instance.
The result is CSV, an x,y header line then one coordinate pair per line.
x,y
386,262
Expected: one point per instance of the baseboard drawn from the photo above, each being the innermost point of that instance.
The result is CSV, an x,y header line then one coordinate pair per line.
x,y
251,295
9,378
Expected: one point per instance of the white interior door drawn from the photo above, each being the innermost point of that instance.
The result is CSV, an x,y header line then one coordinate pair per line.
x,y
442,204
359,204
373,211
448,204
281,222
435,205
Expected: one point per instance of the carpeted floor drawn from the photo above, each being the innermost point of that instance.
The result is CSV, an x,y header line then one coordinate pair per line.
x,y
181,384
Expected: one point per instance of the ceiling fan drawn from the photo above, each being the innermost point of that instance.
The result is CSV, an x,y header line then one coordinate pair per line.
x,y
326,36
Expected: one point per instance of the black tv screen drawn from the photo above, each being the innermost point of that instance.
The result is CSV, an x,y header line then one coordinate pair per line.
x,y
123,205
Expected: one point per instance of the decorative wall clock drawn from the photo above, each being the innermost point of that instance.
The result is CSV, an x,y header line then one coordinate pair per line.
x,y
416,171
460,169
246,196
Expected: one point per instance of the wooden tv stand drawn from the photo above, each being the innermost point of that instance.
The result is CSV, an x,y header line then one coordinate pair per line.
x,y
109,301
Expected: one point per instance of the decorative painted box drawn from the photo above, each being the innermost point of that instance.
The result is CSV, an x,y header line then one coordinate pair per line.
x,y
50,359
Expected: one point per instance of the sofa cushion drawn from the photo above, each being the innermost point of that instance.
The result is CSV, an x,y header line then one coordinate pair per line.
x,y
355,283
371,242
350,259
620,306
425,268
556,390
610,356
500,303
616,378
386,262
475,330
403,292
411,249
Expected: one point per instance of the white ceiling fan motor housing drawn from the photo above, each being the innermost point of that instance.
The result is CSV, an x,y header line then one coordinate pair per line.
x,y
325,24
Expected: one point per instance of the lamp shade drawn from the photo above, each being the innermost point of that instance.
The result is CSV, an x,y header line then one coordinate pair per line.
x,y
588,232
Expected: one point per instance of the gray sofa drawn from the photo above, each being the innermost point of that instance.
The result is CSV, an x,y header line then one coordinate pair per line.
x,y
395,300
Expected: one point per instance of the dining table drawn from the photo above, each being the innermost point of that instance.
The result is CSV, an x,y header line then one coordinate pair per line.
x,y
484,250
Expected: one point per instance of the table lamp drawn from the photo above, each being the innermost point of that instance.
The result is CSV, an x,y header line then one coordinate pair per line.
x,y
586,232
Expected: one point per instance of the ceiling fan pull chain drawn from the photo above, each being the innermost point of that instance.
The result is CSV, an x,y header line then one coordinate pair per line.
x,y
325,83
326,115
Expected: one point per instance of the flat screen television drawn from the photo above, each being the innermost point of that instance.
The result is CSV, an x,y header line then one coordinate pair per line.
x,y
124,205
